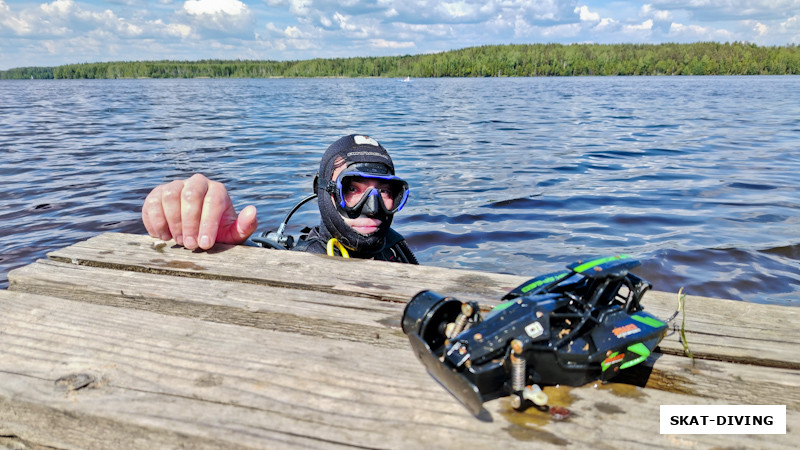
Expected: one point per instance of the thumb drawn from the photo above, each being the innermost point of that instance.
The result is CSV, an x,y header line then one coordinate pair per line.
x,y
245,225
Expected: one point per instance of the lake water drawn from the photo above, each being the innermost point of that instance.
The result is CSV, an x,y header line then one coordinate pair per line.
x,y
695,176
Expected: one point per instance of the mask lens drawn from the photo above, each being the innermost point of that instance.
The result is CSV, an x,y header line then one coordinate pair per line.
x,y
355,188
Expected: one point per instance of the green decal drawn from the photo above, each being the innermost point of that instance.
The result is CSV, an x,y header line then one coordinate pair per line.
x,y
655,323
502,306
586,266
547,280
641,350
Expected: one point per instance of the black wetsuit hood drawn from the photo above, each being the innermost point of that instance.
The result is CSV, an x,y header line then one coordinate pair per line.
x,y
352,149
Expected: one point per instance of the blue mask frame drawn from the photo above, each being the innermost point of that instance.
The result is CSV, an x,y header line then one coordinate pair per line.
x,y
372,197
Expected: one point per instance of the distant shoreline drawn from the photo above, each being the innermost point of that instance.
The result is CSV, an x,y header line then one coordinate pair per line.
x,y
512,60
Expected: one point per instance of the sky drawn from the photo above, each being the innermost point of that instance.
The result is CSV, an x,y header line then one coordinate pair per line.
x,y
52,33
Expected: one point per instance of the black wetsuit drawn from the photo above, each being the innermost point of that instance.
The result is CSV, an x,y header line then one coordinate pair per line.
x,y
394,249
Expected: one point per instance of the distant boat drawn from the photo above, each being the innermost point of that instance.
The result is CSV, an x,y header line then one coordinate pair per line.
x,y
407,80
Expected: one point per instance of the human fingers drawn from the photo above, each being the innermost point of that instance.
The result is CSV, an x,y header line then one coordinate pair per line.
x,y
171,205
193,202
153,216
245,225
236,231
217,214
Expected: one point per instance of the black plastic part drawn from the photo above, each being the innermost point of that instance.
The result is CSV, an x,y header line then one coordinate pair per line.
x,y
455,383
427,314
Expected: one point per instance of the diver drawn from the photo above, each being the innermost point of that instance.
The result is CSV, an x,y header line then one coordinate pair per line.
x,y
357,194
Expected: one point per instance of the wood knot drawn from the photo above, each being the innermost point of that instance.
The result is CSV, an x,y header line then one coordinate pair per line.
x,y
75,381
208,380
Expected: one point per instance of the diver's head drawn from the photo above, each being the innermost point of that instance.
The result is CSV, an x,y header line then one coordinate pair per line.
x,y
358,192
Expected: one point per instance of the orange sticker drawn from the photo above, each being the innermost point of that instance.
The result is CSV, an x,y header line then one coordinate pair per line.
x,y
626,330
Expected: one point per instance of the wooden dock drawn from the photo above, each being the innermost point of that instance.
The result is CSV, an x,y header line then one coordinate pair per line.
x,y
124,341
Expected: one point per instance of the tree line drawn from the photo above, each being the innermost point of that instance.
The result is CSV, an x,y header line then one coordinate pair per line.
x,y
512,60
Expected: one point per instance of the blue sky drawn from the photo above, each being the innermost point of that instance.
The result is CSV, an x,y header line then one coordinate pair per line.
x,y
49,33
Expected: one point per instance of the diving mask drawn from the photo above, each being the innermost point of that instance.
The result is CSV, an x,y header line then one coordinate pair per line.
x,y
368,188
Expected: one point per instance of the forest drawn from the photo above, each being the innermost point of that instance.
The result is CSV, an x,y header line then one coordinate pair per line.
x,y
512,60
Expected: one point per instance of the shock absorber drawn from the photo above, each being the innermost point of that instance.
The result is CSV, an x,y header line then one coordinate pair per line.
x,y
461,320
518,373
518,365
519,377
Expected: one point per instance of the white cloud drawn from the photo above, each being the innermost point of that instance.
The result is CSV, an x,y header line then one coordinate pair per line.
x,y
58,7
433,11
656,14
64,18
297,7
85,30
382,43
356,27
457,10
300,7
678,28
721,10
218,18
214,7
10,21
690,33
791,27
594,23
560,31
177,29
412,30
293,32
647,25
520,20
605,24
342,20
586,15
291,38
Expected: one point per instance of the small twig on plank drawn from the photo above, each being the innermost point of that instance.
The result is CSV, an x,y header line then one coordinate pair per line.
x,y
682,309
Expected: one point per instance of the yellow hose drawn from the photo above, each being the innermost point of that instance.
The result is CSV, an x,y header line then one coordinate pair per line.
x,y
335,242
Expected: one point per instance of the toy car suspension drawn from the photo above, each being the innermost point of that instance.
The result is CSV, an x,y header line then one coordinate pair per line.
x,y
569,327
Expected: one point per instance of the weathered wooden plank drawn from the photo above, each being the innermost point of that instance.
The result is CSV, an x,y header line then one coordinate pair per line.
x,y
387,281
167,381
727,330
227,382
329,315
723,382
307,312
716,329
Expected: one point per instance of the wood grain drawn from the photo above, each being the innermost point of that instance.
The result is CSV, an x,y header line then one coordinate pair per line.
x,y
716,329
176,381
124,341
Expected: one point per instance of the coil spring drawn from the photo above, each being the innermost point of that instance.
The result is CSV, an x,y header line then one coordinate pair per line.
x,y
518,365
461,320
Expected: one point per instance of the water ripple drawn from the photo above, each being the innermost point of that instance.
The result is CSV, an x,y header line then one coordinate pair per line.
x,y
696,176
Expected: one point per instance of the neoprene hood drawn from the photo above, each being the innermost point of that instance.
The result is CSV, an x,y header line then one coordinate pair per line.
x,y
354,149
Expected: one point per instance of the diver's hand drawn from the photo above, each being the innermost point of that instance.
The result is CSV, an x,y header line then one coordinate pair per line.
x,y
196,212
